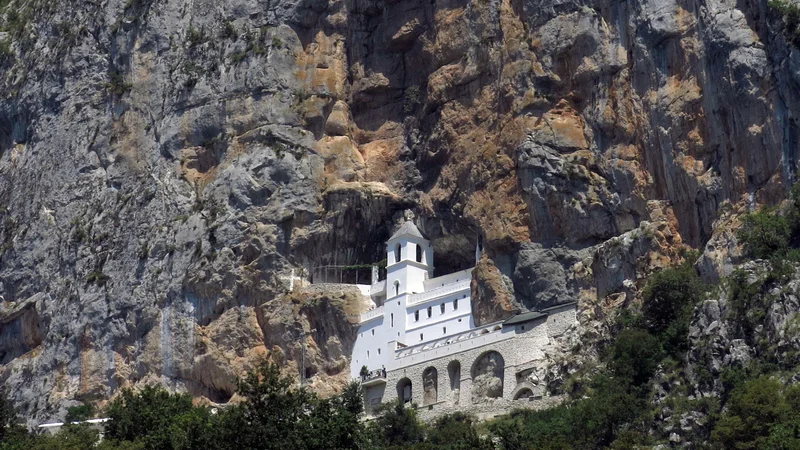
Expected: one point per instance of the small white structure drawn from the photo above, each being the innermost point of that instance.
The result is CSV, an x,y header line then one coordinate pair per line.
x,y
420,333
55,427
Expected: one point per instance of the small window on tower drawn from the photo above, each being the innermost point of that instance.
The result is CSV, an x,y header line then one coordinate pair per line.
x,y
420,336
419,254
455,304
397,253
379,351
430,311
392,320
444,330
416,316
441,308
373,332
367,354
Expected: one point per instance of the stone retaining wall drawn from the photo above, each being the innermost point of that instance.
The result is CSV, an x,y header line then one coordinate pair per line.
x,y
485,380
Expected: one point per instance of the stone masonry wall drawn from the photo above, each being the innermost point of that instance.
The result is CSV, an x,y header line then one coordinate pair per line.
x,y
524,355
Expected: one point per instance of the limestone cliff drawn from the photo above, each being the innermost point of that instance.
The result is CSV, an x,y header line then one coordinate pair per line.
x,y
165,164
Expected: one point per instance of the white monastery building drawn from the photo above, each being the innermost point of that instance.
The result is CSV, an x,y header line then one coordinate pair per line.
x,y
419,342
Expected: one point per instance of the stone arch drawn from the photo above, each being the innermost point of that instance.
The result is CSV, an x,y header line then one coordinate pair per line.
x,y
523,393
404,393
487,376
430,386
454,373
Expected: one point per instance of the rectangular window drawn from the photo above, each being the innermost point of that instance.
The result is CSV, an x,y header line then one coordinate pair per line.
x,y
392,320
379,351
441,308
455,304
420,336
444,330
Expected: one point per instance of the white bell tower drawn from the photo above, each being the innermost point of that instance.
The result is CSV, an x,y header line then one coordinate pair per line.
x,y
409,261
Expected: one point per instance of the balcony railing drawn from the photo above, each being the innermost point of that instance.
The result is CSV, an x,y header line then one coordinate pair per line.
x,y
439,292
377,374
371,314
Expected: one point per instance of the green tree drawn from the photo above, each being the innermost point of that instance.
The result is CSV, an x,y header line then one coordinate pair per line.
x,y
274,415
71,437
456,432
79,413
12,435
634,356
159,420
764,234
752,414
397,425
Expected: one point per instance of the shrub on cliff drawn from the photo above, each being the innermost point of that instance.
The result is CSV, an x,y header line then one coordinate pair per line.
x,y
764,234
761,414
668,299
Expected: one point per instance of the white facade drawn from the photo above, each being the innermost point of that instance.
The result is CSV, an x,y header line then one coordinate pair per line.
x,y
420,344
410,307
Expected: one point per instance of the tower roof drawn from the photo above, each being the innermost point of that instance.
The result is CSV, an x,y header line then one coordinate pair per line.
x,y
407,229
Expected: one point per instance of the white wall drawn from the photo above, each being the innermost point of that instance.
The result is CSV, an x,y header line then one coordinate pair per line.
x,y
447,279
366,341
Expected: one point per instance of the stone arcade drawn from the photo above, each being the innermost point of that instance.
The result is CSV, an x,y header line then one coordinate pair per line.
x,y
419,342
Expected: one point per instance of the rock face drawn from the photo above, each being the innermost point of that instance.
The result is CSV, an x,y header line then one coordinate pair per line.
x,y
164,166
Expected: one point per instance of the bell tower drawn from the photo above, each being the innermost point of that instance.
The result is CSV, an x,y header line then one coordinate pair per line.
x,y
409,261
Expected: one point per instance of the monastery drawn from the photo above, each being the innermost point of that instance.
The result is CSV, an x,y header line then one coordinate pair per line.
x,y
419,342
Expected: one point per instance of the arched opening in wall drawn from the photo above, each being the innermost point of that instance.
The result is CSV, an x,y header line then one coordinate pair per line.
x,y
397,253
396,288
454,373
419,253
523,393
430,386
404,390
487,377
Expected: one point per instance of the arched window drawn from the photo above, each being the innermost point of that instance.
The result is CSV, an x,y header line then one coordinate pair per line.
x,y
419,253
487,377
523,394
430,386
454,372
430,312
441,308
404,390
396,288
416,316
397,253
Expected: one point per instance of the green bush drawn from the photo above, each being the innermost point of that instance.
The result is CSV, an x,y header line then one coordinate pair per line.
x,y
79,413
760,414
764,234
634,356
157,419
667,295
790,13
